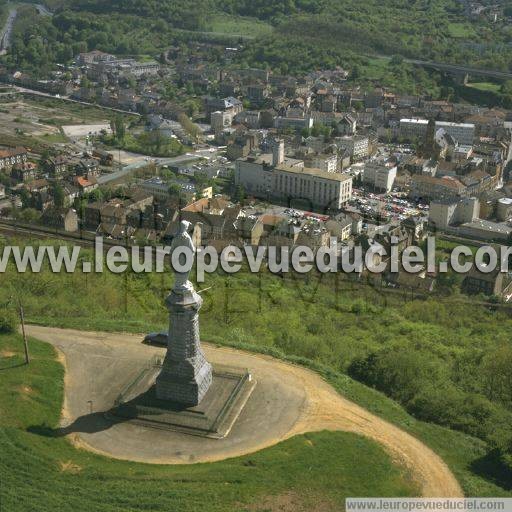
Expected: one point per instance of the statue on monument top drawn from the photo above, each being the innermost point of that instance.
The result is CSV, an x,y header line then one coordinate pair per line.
x,y
186,375
184,244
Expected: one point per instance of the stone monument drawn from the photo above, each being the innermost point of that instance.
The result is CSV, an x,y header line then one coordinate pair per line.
x,y
186,375
183,393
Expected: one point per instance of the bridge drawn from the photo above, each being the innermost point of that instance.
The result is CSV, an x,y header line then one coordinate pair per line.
x,y
460,70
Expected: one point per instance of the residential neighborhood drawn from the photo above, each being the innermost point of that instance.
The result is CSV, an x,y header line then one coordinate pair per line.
x,y
308,157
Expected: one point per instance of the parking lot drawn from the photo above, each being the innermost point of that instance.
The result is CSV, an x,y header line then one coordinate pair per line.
x,y
394,206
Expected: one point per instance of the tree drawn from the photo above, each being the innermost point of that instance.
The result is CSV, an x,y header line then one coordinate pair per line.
x,y
95,196
506,87
497,375
58,195
506,454
174,189
507,101
157,141
118,128
396,60
191,128
239,195
29,215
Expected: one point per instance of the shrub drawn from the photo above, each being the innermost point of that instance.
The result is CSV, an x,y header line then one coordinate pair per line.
x,y
399,373
8,321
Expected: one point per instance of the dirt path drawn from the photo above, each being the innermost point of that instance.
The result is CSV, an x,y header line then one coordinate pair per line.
x,y
313,406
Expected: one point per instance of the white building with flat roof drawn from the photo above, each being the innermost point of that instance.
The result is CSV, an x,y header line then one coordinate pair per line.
x,y
356,145
220,120
379,175
294,123
463,133
327,163
447,212
413,128
264,176
323,189
255,173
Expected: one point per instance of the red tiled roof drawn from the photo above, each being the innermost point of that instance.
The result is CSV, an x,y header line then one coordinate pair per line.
x,y
12,152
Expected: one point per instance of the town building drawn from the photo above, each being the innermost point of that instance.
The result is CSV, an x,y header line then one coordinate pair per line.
x,y
347,125
220,120
229,105
57,166
320,188
427,188
93,57
85,185
65,219
327,163
463,133
447,212
357,146
486,230
162,190
11,157
275,176
23,172
379,175
294,123
495,283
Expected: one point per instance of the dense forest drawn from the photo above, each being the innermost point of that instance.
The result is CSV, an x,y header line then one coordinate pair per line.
x,y
302,34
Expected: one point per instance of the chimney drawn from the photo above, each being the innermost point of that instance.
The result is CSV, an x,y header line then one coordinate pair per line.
x,y
277,152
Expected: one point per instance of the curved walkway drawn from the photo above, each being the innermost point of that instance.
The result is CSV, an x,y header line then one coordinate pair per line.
x,y
288,400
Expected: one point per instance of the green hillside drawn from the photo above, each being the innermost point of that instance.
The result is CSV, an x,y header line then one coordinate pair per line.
x,y
290,36
41,472
444,366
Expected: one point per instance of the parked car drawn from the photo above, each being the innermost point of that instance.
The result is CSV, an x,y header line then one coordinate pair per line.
x,y
156,338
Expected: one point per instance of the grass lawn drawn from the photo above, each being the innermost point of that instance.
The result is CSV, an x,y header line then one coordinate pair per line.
x,y
53,138
42,472
461,30
485,86
239,25
376,68
63,112
36,143
145,144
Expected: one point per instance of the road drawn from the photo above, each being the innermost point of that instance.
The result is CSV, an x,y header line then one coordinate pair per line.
x,y
144,160
43,10
6,33
456,68
291,399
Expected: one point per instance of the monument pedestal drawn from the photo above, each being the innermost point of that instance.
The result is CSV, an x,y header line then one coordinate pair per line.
x,y
186,375
213,418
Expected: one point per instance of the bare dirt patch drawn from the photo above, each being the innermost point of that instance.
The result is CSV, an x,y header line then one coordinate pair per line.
x,y
7,354
288,502
26,390
69,467
323,409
